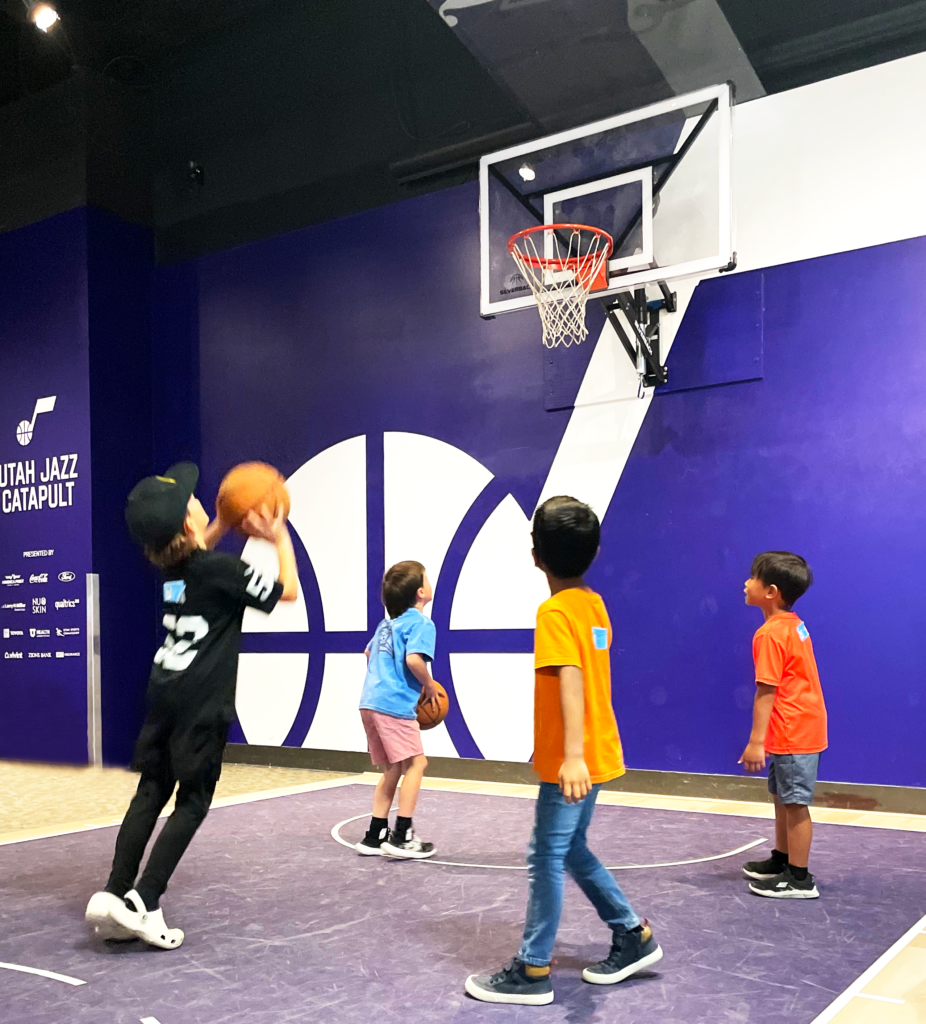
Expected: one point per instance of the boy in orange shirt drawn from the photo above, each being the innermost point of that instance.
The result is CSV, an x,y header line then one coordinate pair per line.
x,y
788,723
576,749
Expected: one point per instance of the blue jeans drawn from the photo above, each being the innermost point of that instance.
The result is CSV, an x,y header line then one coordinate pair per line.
x,y
558,844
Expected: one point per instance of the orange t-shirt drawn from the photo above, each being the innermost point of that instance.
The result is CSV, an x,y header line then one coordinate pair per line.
x,y
784,659
573,629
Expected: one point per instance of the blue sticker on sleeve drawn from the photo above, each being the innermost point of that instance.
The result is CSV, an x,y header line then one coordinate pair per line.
x,y
174,591
600,638
802,631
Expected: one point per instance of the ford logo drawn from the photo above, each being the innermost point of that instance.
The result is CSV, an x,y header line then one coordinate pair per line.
x,y
66,577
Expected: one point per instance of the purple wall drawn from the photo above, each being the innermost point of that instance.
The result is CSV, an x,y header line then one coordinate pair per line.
x,y
44,351
370,324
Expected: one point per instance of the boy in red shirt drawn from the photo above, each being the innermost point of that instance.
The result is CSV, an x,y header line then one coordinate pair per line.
x,y
788,722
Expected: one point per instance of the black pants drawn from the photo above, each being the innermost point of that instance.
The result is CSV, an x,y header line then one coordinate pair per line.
x,y
154,790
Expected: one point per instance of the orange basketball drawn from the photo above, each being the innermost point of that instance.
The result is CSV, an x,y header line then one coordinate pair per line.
x,y
247,488
428,718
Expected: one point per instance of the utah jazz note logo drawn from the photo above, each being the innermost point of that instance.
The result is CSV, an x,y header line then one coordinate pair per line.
x,y
25,427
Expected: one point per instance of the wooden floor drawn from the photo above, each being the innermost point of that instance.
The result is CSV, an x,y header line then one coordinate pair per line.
x,y
43,800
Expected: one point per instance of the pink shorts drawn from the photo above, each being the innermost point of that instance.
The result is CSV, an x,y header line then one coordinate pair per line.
x,y
391,739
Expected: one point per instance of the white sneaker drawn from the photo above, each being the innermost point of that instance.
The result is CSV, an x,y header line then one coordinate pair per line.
x,y
412,849
99,917
148,925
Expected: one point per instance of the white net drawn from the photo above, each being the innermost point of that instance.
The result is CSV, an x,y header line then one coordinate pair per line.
x,y
561,262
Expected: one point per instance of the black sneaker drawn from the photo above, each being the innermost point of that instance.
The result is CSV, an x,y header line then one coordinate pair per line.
x,y
630,952
786,887
411,849
372,844
511,985
762,869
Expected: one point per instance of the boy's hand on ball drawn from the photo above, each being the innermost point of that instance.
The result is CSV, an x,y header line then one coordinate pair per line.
x,y
429,696
753,759
574,779
261,524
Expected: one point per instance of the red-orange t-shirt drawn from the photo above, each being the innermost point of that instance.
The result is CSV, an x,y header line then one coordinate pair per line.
x,y
573,629
783,654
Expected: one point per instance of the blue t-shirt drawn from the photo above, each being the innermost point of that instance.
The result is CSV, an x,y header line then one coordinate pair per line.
x,y
389,686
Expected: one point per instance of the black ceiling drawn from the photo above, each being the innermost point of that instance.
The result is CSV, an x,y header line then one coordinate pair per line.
x,y
303,110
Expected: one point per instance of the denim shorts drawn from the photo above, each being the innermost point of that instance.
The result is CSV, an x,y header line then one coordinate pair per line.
x,y
793,777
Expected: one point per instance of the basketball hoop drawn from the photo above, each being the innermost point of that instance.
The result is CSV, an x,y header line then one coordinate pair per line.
x,y
562,263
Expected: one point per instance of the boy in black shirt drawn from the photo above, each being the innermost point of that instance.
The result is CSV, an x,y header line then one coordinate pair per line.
x,y
191,691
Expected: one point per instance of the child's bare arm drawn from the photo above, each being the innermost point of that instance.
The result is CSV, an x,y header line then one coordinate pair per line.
x,y
418,666
267,528
753,759
289,577
214,532
574,779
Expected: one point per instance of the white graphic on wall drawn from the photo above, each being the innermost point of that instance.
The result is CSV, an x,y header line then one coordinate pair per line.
x,y
588,464
25,428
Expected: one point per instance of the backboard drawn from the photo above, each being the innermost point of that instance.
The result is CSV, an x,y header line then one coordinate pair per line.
x,y
658,180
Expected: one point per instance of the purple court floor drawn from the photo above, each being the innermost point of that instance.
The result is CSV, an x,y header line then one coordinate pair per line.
x,y
283,925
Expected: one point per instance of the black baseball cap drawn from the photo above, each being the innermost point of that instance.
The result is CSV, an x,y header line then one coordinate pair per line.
x,y
157,506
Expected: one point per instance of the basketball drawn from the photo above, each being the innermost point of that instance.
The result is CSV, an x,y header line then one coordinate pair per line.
x,y
247,488
427,717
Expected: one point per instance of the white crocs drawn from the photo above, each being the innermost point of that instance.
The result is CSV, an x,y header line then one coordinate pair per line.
x,y
99,917
147,925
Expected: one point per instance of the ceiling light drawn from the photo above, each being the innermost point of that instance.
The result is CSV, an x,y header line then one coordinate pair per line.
x,y
527,172
43,16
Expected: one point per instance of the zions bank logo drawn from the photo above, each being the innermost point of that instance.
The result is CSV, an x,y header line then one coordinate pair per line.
x,y
25,428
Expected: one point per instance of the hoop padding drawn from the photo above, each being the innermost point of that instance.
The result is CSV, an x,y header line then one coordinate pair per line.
x,y
562,263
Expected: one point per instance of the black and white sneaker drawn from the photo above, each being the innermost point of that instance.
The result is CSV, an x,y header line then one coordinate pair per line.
x,y
511,984
411,849
786,887
372,844
762,869
630,952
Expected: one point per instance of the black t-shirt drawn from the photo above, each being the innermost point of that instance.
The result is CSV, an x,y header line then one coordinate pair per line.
x,y
204,600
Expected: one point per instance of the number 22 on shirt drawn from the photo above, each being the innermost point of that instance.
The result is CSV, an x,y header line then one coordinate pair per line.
x,y
179,648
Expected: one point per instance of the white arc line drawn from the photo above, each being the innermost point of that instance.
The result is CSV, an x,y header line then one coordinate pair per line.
x,y
43,974
149,1020
862,980
336,836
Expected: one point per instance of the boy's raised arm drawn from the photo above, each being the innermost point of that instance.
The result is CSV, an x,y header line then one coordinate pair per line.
x,y
263,526
214,532
288,574
574,779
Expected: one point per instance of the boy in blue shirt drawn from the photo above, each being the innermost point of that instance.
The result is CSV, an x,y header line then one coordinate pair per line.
x,y
397,677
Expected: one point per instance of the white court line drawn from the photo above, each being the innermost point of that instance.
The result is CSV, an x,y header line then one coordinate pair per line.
x,y
881,999
860,982
43,974
336,836
149,1020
